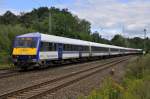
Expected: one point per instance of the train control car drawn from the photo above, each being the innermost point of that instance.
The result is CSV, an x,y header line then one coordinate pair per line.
x,y
38,50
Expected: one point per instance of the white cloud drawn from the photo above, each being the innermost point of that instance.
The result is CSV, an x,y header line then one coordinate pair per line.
x,y
113,15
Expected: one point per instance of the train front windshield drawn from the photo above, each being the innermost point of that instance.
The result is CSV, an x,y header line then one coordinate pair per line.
x,y
25,43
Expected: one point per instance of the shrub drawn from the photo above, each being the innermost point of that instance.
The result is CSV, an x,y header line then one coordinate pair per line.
x,y
4,58
136,84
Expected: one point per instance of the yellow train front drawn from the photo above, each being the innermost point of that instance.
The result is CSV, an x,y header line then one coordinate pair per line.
x,y
25,51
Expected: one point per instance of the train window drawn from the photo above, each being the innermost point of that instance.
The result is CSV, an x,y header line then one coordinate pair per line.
x,y
103,49
84,48
68,47
122,50
99,49
76,48
79,48
114,50
87,48
52,46
46,46
64,47
73,48
26,42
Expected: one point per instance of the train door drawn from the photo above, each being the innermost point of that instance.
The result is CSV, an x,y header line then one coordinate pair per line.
x,y
60,51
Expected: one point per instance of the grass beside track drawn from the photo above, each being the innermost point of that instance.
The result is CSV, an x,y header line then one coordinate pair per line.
x,y
136,84
6,66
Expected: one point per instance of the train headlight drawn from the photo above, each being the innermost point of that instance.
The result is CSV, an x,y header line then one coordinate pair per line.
x,y
33,60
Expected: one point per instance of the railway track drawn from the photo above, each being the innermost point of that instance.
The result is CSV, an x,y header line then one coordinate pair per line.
x,y
14,72
50,86
8,73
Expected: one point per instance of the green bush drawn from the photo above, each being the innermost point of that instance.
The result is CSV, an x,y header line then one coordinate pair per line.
x,y
136,84
139,68
4,58
5,61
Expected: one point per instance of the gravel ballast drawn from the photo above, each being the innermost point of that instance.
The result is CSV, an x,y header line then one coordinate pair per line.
x,y
84,87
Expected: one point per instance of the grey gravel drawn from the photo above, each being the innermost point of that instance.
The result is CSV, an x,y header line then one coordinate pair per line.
x,y
84,87
30,78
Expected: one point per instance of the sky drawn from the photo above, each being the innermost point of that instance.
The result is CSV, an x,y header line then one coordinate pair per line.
x,y
109,17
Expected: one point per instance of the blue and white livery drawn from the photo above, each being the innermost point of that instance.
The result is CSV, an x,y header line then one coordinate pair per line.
x,y
37,49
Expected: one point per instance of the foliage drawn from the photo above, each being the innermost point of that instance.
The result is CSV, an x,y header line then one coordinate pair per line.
x,y
120,41
134,86
132,43
55,21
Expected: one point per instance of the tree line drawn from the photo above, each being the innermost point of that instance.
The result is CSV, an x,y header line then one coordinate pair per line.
x,y
58,22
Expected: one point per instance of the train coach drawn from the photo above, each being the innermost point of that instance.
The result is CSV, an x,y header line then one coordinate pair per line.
x,y
38,50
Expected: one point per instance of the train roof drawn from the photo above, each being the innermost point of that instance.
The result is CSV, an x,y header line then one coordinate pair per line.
x,y
29,35
59,39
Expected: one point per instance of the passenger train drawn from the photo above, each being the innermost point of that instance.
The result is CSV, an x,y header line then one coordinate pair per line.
x,y
37,50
